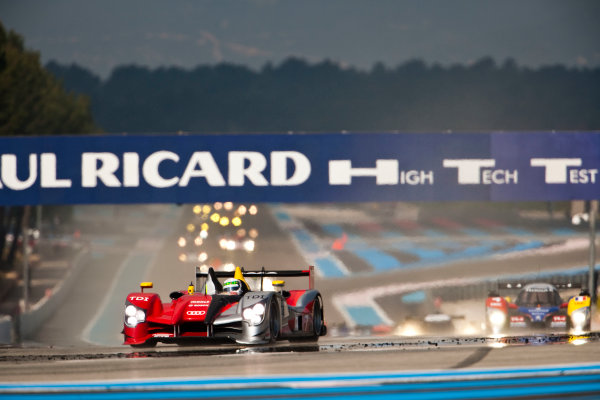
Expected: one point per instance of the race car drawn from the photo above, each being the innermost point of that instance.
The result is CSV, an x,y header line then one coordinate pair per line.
x,y
538,306
230,310
237,243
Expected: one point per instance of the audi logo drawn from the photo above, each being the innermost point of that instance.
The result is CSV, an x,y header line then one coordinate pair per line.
x,y
196,312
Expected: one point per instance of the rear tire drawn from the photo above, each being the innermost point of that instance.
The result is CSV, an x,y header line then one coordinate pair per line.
x,y
318,324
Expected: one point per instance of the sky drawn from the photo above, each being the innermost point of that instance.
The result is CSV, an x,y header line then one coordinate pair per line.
x,y
102,34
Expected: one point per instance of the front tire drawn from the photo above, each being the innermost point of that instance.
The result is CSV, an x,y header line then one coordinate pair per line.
x,y
274,322
146,345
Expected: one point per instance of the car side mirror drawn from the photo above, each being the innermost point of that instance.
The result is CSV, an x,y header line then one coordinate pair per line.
x,y
145,285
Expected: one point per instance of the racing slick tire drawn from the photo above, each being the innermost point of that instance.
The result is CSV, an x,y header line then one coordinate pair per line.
x,y
146,345
318,324
274,322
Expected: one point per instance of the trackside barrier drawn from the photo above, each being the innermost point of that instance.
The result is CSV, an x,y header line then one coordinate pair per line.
x,y
43,309
5,329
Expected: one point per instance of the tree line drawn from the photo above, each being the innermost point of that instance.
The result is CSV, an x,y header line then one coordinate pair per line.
x,y
298,96
292,96
32,102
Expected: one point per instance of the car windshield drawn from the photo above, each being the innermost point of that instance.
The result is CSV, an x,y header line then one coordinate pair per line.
x,y
542,297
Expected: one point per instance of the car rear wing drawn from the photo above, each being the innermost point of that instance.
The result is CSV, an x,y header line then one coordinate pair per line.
x,y
520,284
201,277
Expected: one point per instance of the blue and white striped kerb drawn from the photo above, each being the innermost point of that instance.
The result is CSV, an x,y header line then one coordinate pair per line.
x,y
575,381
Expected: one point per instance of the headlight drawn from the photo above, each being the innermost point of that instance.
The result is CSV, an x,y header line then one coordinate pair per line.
x,y
497,318
254,314
249,245
130,310
134,316
579,318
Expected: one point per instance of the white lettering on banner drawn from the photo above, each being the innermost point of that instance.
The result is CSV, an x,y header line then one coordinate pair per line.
x,y
471,172
252,168
104,166
556,168
91,171
499,177
238,169
302,168
131,170
385,172
558,171
208,169
582,175
48,173
150,169
9,172
414,177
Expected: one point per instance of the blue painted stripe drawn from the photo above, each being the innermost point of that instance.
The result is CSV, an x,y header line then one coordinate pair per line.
x,y
523,246
282,216
378,259
414,297
328,267
474,251
486,385
564,232
364,315
333,229
306,241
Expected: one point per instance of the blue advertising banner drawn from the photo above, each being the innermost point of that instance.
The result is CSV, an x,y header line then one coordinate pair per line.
x,y
328,167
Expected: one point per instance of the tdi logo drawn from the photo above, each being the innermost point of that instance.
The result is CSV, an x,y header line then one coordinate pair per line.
x,y
558,171
478,171
139,298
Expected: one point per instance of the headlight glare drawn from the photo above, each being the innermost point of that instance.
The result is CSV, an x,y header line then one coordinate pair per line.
x,y
248,314
497,318
254,314
259,309
134,316
140,315
578,318
130,310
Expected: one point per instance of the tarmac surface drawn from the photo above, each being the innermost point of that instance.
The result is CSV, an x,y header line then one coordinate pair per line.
x,y
339,355
130,244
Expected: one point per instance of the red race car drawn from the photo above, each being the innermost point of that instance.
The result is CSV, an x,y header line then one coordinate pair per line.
x,y
229,310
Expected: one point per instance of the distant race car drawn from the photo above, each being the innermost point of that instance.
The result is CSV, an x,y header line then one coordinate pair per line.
x,y
538,306
228,310
237,243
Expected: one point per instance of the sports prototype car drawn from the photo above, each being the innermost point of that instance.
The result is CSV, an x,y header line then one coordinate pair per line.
x,y
229,310
538,306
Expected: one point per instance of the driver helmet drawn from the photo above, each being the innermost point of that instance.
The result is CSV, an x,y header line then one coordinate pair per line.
x,y
232,286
